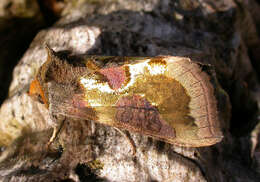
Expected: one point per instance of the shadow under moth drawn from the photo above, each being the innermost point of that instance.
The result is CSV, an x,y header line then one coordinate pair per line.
x,y
168,98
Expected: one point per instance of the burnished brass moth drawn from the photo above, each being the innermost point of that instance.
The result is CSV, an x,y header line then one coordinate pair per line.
x,y
168,98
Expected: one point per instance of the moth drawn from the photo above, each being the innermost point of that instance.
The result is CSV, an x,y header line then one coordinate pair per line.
x,y
168,98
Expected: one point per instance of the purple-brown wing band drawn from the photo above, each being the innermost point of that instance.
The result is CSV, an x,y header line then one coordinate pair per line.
x,y
137,113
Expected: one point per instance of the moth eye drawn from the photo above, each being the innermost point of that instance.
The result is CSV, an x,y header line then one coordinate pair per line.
x,y
37,93
39,99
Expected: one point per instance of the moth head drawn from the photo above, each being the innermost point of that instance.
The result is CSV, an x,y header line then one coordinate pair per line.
x,y
36,92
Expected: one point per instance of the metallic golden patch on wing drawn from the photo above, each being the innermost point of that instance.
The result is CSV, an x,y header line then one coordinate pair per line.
x,y
157,60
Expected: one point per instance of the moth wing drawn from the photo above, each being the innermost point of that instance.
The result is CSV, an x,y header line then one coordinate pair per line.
x,y
178,106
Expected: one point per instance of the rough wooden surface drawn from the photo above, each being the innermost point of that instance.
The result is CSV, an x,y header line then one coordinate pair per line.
x,y
221,33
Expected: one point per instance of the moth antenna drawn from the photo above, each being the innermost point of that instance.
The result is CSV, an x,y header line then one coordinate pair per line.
x,y
49,50
52,55
51,58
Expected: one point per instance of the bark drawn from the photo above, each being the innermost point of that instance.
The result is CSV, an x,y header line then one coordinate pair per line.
x,y
222,33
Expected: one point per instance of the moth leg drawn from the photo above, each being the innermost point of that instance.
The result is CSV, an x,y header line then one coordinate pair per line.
x,y
56,131
129,139
54,134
